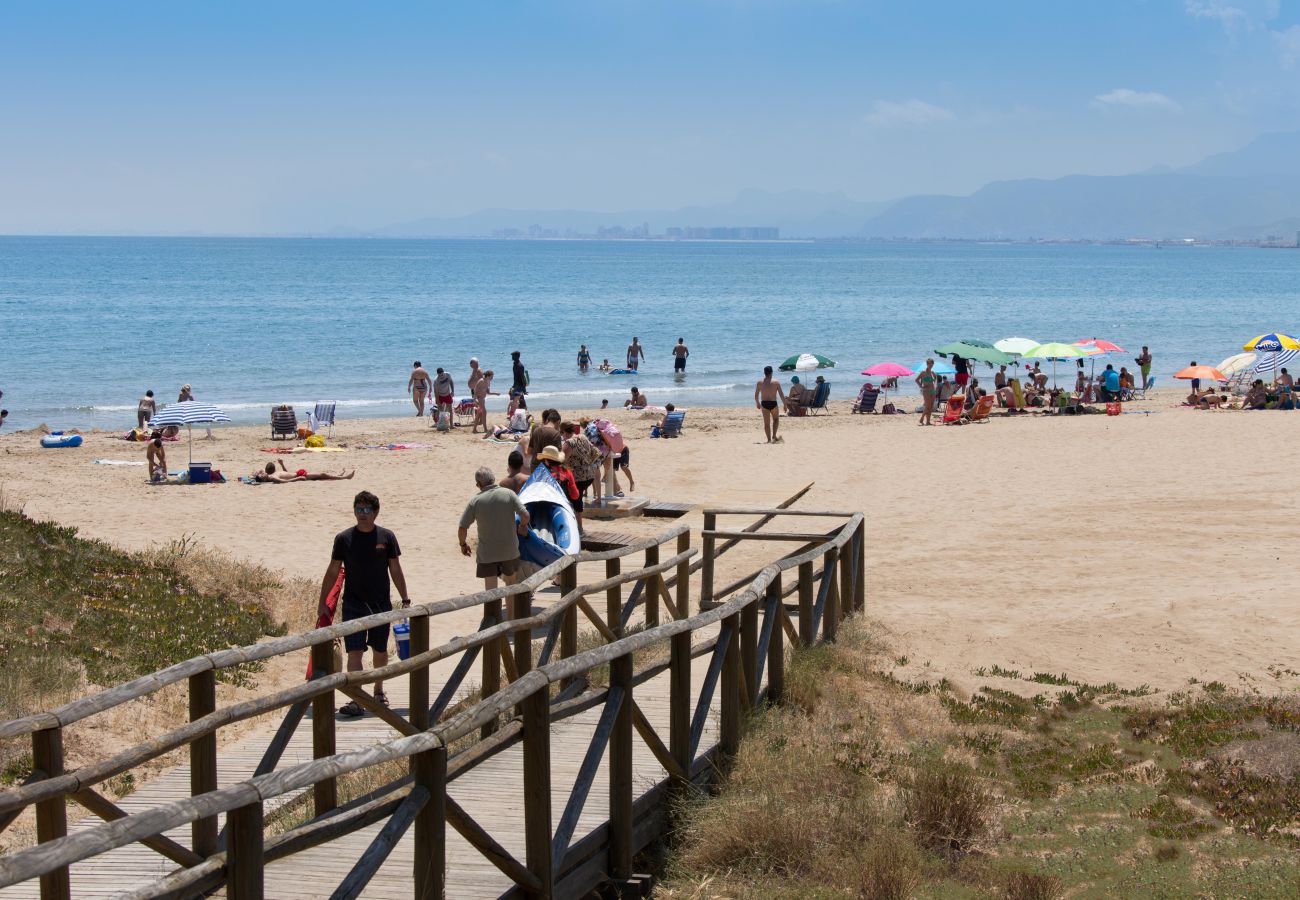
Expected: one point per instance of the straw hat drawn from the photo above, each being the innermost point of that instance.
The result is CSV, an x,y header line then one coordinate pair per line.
x,y
552,454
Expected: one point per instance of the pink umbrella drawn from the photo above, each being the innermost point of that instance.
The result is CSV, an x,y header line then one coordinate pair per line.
x,y
1102,346
888,370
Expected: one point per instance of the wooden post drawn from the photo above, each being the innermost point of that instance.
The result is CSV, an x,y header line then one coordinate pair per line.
x,y
244,860
831,614
203,760
614,598
419,688
521,607
806,637
706,570
684,577
52,814
569,627
860,584
537,788
491,681
731,675
324,792
620,773
846,581
430,838
749,650
651,591
679,702
776,643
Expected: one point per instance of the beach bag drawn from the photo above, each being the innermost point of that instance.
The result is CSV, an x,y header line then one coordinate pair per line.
x,y
304,432
612,436
1113,408
316,440
444,421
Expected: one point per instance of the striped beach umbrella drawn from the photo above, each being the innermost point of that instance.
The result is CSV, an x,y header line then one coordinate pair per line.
x,y
188,413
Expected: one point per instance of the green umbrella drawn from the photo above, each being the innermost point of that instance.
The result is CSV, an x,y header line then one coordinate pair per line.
x,y
980,350
806,362
1055,350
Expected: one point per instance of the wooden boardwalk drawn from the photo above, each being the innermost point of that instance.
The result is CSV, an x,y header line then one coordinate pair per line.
x,y
490,792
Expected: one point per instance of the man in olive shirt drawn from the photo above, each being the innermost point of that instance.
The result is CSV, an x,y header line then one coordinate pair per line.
x,y
494,509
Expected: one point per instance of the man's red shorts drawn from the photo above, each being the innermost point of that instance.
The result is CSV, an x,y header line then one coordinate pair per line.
x,y
962,378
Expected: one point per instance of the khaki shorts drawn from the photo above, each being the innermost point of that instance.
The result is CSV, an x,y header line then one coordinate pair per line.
x,y
491,569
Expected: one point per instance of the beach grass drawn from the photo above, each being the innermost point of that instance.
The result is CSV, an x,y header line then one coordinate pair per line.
x,y
866,785
78,613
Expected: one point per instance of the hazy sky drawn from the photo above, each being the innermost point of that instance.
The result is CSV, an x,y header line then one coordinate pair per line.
x,y
292,116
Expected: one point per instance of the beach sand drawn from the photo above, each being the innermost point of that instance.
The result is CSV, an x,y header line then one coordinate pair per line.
x,y
1139,549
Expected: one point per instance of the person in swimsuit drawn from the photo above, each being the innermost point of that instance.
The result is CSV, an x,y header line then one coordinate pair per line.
x,y
268,475
769,397
475,373
185,395
605,366
419,386
636,401
635,355
155,457
515,478
928,382
584,358
145,410
482,390
796,401
1144,364
444,393
679,356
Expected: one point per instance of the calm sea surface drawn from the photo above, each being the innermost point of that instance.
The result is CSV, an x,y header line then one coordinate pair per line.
x,y
89,323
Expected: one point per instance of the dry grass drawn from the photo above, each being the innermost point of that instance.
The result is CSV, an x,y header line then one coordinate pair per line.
x,y
947,806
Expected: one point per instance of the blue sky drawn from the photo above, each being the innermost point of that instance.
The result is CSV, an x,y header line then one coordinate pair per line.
x,y
287,116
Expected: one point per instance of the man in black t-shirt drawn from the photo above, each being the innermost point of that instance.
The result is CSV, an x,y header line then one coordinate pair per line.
x,y
519,376
369,557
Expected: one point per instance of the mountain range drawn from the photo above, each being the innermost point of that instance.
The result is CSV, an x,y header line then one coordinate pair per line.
x,y
1245,194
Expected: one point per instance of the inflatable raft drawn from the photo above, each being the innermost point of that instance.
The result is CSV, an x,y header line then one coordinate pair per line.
x,y
552,525
59,439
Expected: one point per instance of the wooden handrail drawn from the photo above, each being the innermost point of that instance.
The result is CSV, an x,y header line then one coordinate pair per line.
x,y
842,586
77,710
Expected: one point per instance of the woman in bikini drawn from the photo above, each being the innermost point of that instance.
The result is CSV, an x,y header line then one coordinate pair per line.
x,y
928,382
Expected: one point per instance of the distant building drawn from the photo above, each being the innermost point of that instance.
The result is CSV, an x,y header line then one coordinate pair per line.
x,y
743,233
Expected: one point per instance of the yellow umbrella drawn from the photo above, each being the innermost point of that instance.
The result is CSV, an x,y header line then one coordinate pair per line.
x,y
1271,343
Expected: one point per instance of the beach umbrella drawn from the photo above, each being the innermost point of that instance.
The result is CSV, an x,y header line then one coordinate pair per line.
x,y
980,350
1100,345
888,370
806,362
1207,373
188,413
1239,362
1271,343
1055,350
1016,346
941,367
1272,362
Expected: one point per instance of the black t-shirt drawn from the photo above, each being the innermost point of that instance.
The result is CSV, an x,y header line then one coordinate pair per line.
x,y
365,556
959,364
520,384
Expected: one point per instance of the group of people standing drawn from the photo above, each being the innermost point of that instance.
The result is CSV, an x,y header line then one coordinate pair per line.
x,y
635,356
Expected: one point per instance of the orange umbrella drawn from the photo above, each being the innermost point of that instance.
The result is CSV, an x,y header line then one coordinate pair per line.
x,y
1209,373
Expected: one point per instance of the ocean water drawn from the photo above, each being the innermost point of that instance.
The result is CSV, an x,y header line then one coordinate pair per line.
x,y
89,323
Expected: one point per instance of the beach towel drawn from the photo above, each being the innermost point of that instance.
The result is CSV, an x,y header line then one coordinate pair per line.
x,y
396,446
119,462
249,479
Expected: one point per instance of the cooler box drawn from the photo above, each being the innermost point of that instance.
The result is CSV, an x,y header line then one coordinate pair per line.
x,y
201,473
402,632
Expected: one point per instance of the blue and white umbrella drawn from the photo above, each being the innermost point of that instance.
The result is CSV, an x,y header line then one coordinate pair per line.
x,y
1274,360
188,413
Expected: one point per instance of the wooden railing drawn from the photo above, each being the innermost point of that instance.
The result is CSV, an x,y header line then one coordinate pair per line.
x,y
743,638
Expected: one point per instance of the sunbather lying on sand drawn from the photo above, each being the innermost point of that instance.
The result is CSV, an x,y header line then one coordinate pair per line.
x,y
270,476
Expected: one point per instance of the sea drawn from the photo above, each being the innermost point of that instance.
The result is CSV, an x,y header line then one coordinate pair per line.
x,y
88,324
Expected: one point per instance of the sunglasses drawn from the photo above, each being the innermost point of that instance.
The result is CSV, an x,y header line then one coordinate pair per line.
x,y
363,510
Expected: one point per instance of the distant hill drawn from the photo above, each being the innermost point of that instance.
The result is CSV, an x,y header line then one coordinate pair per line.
x,y
796,213
1228,194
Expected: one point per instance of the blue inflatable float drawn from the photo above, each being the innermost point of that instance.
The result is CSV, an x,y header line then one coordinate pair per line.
x,y
552,525
59,439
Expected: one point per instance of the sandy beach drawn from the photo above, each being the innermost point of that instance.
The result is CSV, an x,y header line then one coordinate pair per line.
x,y
1149,548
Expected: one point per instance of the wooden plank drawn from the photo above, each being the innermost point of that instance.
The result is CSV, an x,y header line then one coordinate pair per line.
x,y
537,789
51,815
484,843
586,775
800,536
620,773
324,792
430,850
109,811
245,865
203,759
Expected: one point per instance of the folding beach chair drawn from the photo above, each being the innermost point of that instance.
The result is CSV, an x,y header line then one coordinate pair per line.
x,y
983,407
283,422
819,398
464,410
323,416
952,412
673,422
1139,392
867,397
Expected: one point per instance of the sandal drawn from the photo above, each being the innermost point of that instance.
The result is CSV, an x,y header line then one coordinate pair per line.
x,y
381,697
351,710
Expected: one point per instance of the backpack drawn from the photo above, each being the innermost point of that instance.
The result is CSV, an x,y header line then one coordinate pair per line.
x,y
527,380
612,436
